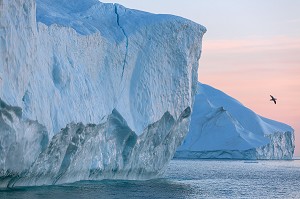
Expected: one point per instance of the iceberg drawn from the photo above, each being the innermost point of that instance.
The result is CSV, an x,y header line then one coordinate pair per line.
x,y
92,91
222,128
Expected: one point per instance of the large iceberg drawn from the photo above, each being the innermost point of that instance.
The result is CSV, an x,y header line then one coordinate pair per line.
x,y
221,127
90,90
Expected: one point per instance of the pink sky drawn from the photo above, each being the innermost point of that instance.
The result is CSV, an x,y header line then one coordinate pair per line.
x,y
250,70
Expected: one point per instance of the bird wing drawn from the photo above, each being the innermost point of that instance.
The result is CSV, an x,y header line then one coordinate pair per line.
x,y
273,99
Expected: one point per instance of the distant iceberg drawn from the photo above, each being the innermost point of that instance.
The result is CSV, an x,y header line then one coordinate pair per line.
x,y
221,127
92,91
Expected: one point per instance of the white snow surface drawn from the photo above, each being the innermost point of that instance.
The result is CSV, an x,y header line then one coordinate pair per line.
x,y
221,127
70,64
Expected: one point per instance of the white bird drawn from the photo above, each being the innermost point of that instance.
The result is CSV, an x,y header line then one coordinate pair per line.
x,y
273,99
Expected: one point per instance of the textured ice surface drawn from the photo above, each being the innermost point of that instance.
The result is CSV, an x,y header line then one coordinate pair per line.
x,y
62,67
110,150
68,66
21,141
222,127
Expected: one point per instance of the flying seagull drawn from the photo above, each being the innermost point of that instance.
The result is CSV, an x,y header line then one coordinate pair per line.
x,y
273,99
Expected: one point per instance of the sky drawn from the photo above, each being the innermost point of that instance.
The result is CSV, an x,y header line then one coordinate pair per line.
x,y
251,49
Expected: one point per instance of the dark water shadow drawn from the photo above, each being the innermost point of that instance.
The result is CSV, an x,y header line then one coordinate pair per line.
x,y
159,188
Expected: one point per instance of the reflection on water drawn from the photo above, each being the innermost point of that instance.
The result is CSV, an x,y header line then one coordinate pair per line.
x,y
187,179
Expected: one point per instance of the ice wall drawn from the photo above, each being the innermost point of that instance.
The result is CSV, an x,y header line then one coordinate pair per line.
x,y
221,127
70,64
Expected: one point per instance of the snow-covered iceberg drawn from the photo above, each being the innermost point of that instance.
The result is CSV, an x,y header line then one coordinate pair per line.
x,y
91,90
221,127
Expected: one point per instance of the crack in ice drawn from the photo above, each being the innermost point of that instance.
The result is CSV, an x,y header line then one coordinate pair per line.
x,y
125,35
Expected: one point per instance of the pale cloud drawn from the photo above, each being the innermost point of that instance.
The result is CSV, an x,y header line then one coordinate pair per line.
x,y
252,44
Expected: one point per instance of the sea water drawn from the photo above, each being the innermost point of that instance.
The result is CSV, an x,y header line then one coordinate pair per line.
x,y
186,179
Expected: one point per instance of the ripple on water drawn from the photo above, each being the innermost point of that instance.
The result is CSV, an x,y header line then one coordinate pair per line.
x,y
186,179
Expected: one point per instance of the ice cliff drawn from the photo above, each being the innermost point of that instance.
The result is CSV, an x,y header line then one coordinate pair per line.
x,y
221,127
92,91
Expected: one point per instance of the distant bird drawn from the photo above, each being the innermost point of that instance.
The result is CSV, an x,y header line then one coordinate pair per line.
x,y
273,99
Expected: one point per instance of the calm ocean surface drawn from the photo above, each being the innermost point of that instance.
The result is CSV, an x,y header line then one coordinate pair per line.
x,y
187,179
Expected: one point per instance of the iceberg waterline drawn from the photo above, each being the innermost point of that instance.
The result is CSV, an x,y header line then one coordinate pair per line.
x,y
92,91
221,127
